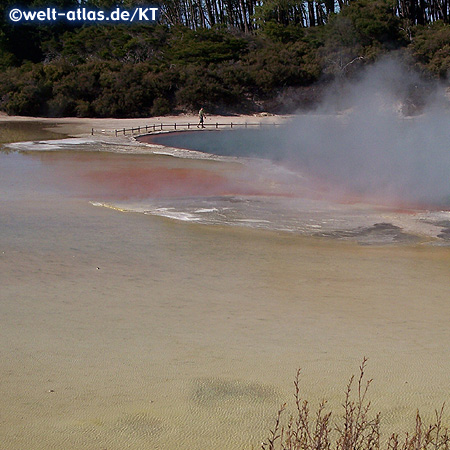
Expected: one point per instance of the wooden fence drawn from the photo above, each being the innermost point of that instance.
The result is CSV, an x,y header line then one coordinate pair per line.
x,y
148,129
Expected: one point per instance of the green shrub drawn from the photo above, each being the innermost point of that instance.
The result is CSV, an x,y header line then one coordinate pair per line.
x,y
431,47
161,106
203,46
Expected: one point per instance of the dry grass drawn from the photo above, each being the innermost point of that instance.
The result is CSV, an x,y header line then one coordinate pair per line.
x,y
355,429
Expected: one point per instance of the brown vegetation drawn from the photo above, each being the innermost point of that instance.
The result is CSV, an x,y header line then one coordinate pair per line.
x,y
356,429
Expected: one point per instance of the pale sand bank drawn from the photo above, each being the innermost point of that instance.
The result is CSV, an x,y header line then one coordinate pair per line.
x,y
74,126
187,336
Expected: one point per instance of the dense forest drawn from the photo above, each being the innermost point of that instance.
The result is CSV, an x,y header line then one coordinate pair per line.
x,y
226,55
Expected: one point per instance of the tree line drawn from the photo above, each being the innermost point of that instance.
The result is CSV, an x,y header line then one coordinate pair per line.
x,y
249,15
227,55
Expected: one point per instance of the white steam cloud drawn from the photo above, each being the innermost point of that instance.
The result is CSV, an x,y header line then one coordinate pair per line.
x,y
383,137
361,140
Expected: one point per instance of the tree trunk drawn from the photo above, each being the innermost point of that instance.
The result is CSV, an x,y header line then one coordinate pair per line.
x,y
312,19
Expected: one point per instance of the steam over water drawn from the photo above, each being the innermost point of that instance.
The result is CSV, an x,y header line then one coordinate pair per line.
x,y
383,141
358,168
359,142
236,191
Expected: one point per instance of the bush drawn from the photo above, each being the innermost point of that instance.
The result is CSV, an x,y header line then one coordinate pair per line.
x,y
161,107
205,86
431,47
25,91
280,65
355,430
204,46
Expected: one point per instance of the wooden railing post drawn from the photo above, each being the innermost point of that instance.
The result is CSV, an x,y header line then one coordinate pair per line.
x,y
177,126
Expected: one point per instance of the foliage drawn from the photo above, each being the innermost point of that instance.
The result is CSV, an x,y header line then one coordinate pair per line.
x,y
276,65
203,46
362,32
230,55
431,47
374,21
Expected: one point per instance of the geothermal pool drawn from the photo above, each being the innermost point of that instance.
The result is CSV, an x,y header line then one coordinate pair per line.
x,y
301,188
153,301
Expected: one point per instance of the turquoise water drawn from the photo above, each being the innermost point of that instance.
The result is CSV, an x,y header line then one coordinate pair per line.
x,y
239,142
378,158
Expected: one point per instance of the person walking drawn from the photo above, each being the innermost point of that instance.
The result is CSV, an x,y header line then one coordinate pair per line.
x,y
201,117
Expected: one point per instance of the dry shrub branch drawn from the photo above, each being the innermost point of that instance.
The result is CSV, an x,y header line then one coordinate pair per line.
x,y
355,429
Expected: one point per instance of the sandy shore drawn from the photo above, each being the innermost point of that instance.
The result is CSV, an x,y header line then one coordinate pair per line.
x,y
74,126
130,331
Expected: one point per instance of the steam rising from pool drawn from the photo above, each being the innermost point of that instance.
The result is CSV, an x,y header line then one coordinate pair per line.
x,y
372,147
347,170
362,140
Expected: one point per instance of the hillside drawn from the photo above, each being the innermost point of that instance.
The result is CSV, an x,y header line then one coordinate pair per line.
x,y
226,56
